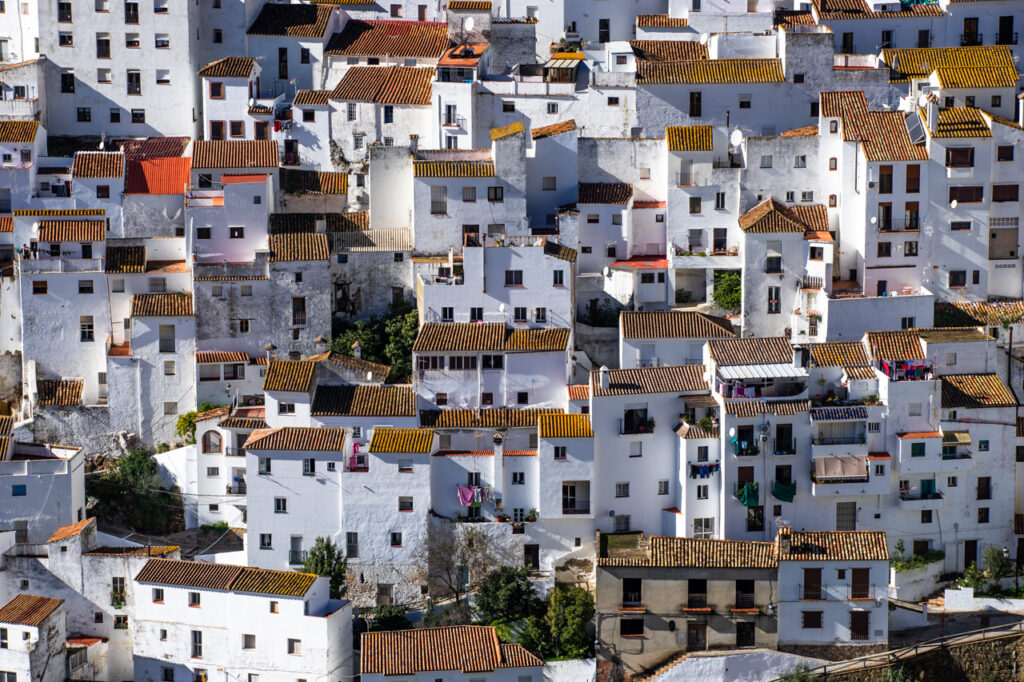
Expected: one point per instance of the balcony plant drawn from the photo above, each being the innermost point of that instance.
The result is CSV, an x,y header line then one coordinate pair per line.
x,y
706,423
532,515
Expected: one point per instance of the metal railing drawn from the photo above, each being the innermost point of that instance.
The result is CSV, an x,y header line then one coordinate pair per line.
x,y
697,601
236,489
900,225
912,495
631,599
298,319
812,283
234,452
1006,38
744,600
841,440
579,508
692,180
971,39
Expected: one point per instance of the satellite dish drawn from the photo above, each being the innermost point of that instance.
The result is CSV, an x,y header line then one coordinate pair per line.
x,y
501,308
469,24
736,138
954,203
703,38
874,219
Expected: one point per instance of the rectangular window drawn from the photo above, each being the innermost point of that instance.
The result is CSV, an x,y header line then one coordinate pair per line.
x,y
622,489
352,545
957,278
439,200
811,620
513,278
197,643
695,205
264,465
266,541
496,194
766,161
959,157
309,467
1001,193
774,304
280,505
1004,152
87,334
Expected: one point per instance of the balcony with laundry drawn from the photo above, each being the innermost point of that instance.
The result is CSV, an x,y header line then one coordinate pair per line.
x,y
919,495
833,475
839,431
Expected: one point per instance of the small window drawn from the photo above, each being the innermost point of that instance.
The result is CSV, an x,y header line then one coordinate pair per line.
x,y
508,107
811,620
766,161
560,452
248,641
405,504
396,540
39,287
549,183
295,645
236,232
631,627
1004,152
85,286
613,101
194,599
622,489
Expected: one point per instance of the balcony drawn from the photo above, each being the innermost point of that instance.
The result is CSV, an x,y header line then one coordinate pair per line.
x,y
784,491
290,159
744,601
580,508
635,424
297,557
1006,38
631,601
835,592
118,350
747,494
838,445
298,319
967,39
746,448
117,599
234,452
455,121
912,224
236,488
696,602
357,464
693,179
916,500
812,283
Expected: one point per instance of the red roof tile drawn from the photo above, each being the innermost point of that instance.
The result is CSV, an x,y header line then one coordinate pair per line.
x,y
424,39
28,609
386,85
65,532
298,21
463,648
158,176
98,165
235,153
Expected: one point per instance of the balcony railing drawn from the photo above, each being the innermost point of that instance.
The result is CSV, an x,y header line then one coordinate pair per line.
x,y
984,492
635,425
860,439
236,488
1006,38
117,599
971,39
298,319
812,283
697,601
579,508
744,600
234,452
810,592
358,463
900,225
631,599
692,180
297,557
911,495
456,121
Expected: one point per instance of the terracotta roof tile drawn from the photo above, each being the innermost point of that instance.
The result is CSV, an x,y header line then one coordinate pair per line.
x,y
290,376
319,439
675,552
805,131
553,248
244,423
298,21
364,401
65,393
989,313
790,18
605,193
274,583
710,71
162,305
672,325
422,39
464,648
350,362
959,122
154,148
236,153
353,220
751,351
838,354
895,345
640,380
146,551
418,441
18,132
982,77
294,180
771,217
158,176
920,62
58,212
669,50
5,425
493,336
72,530
883,134
565,426
28,609
814,216
298,246
835,545
579,391
975,391
859,372
469,5
659,21
688,138
484,419
72,230
210,356
508,131
6,223
214,413
755,408
98,165
549,339
229,67
406,85
694,432
453,169
311,98
952,335
553,129
203,575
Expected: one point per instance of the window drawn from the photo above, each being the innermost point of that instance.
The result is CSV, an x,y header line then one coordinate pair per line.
x,y
404,504
695,105
236,128
957,278
982,446
910,249
702,492
138,115
800,161
695,205
197,644
522,398
248,641
719,201
959,157
1001,193
170,408
352,545
280,505
982,514
811,620
798,78
495,194
1004,152
194,599
513,278
790,197
622,489
120,622
540,315
955,225
774,304
519,314
631,627
169,368
766,161
833,127
508,107
438,200
85,324
309,467
264,465
552,107
19,490
266,541
613,101
704,528
807,196
67,82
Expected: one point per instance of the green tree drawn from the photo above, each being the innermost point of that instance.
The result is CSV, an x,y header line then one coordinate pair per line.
x,y
325,558
389,617
570,610
367,335
727,292
507,595
400,330
536,636
186,425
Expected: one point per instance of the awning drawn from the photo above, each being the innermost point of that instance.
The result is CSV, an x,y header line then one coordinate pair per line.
x,y
956,438
761,371
841,466
704,400
562,63
837,414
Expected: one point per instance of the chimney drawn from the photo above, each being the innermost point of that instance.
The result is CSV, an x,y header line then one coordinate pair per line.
x,y
357,350
604,376
321,224
414,143
1020,109
932,111
499,462
785,541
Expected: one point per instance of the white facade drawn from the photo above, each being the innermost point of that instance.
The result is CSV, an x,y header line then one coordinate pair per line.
x,y
44,488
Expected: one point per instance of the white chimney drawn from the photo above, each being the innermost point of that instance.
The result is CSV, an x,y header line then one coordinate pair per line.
x,y
499,462
321,225
604,376
932,111
1020,109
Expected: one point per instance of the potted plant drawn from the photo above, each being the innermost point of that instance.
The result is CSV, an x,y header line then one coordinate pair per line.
x,y
532,515
706,423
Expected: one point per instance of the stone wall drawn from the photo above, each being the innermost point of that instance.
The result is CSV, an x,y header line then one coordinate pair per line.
x,y
833,652
601,344
10,383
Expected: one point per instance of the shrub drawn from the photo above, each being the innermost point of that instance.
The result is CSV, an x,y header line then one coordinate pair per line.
x,y
727,292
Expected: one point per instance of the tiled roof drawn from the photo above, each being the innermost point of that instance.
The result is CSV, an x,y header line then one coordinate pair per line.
x,y
18,132
983,77
364,401
72,530
204,575
387,439
710,71
228,67
859,9
28,609
975,391
369,241
959,122
158,176
859,372
57,212
236,153
484,419
838,354
214,413
919,62
790,18
208,356
883,134
353,363
565,426
162,305
320,439
804,131
469,6
464,648
453,169
952,335
149,148
836,545
579,391
895,345
639,380
605,193
490,336
659,21
423,39
755,408
833,414
65,393
297,21
989,313
6,223
298,246
553,248
694,432
675,552
553,129
672,325
147,551
751,351
5,425
814,216
508,131
688,138
244,423
771,217
72,230
386,85
311,98
668,50
291,376
351,221
98,165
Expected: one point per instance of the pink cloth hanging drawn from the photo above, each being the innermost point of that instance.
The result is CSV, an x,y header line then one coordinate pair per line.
x,y
465,495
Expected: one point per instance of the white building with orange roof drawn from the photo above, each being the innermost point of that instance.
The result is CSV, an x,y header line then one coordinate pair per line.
x,y
44,485
33,631
198,620
654,338
383,42
291,41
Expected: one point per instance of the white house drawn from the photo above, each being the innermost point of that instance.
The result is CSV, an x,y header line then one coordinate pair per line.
x,y
43,486
653,338
32,632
